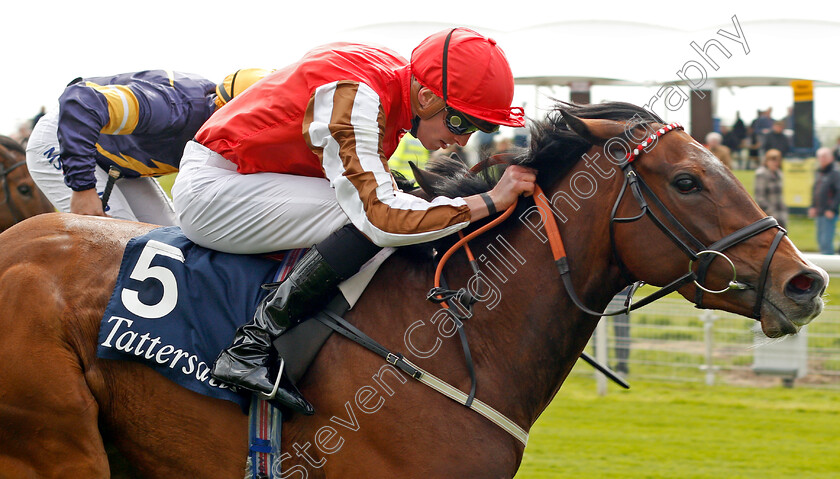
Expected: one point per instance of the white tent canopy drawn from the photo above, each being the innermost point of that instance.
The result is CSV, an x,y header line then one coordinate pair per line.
x,y
630,53
594,44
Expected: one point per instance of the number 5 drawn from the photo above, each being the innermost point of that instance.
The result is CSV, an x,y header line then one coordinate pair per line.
x,y
144,270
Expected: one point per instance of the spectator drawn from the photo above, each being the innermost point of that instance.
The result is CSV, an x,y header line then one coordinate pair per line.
x,y
714,142
735,143
837,150
776,139
825,199
787,121
752,147
730,139
769,187
763,122
739,130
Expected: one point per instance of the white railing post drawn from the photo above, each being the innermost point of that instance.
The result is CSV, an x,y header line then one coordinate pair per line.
x,y
601,355
708,317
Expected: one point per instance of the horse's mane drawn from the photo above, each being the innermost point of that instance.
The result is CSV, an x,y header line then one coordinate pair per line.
x,y
554,149
11,145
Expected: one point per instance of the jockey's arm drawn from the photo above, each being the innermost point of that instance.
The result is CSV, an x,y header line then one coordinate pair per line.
x,y
83,114
88,110
346,133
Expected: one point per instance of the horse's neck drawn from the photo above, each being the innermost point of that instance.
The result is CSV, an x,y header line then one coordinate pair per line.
x,y
526,344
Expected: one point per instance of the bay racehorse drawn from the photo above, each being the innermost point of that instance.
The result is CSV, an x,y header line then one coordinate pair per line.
x,y
60,405
21,198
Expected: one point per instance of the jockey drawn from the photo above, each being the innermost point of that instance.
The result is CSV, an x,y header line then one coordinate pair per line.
x,y
136,122
301,159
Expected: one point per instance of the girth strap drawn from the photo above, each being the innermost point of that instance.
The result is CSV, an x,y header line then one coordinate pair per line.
x,y
459,322
344,328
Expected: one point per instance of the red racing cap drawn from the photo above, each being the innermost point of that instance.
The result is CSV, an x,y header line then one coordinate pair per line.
x,y
470,72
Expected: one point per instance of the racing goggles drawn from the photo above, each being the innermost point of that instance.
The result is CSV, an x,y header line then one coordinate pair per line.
x,y
462,124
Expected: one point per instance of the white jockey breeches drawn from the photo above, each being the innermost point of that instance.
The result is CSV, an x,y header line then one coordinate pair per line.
x,y
135,199
224,210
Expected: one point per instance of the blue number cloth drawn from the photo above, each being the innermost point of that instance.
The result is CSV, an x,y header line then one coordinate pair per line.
x,y
216,292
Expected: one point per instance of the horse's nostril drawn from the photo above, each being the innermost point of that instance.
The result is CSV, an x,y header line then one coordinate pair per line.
x,y
804,286
802,282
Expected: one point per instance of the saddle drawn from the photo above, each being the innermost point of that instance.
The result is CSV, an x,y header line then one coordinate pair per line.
x,y
300,345
176,305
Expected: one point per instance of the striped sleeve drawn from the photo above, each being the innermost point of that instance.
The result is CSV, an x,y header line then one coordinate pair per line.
x,y
344,126
83,113
123,109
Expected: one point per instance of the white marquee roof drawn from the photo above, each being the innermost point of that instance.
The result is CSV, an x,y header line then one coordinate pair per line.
x,y
618,52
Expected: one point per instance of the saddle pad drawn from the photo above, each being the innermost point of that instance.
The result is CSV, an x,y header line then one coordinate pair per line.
x,y
176,305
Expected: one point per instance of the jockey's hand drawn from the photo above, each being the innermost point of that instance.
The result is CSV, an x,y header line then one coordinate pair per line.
x,y
517,180
86,202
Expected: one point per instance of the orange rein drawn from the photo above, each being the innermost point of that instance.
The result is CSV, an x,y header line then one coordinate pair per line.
x,y
464,239
554,238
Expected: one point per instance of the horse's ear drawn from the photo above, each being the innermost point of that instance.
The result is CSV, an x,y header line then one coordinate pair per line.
x,y
6,157
425,179
595,131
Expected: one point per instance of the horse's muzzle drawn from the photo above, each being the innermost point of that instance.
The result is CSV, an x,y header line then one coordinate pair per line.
x,y
803,294
806,290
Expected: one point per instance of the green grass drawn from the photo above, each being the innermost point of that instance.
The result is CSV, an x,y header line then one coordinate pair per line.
x,y
166,183
685,430
803,232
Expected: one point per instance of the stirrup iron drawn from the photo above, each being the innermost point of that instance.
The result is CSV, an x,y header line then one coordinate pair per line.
x,y
269,397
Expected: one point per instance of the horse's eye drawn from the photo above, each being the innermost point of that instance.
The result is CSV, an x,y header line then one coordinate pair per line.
x,y
686,184
24,190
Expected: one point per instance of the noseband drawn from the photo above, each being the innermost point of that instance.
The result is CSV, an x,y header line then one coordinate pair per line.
x,y
4,172
695,249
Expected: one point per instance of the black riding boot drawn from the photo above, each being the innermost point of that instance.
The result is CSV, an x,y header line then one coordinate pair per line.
x,y
311,284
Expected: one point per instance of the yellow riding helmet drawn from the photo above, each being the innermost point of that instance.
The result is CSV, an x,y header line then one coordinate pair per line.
x,y
237,82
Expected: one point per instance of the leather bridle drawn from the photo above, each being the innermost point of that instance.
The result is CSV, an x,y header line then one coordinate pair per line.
x,y
696,252
695,249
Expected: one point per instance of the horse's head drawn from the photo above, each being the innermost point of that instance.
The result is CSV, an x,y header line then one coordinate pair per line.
x,y
19,197
681,210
